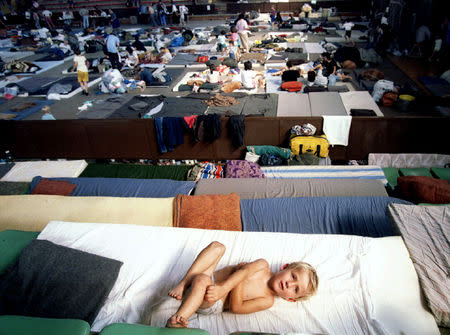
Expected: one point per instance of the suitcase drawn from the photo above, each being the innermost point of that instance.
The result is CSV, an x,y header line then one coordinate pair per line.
x,y
317,145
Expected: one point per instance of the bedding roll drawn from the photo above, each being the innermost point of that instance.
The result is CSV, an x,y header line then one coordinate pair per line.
x,y
221,212
33,212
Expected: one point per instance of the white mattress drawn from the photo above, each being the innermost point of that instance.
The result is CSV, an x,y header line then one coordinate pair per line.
x,y
360,100
367,286
26,171
293,104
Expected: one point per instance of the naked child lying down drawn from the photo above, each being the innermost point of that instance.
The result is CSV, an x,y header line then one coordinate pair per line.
x,y
242,289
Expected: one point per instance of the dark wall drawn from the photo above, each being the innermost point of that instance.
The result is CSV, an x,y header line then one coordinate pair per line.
x,y
135,139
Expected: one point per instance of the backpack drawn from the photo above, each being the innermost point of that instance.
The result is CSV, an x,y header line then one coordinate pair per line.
x,y
270,160
317,145
292,86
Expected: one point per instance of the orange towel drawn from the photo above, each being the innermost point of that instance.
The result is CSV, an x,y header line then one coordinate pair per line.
x,y
215,211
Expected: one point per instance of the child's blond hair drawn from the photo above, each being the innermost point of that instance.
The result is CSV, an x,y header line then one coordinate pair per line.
x,y
45,109
313,278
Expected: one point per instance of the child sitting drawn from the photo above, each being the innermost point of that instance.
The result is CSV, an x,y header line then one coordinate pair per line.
x,y
242,289
47,113
251,79
233,51
316,79
213,76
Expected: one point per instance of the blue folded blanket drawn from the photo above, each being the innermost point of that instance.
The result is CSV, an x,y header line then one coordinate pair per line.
x,y
363,216
124,187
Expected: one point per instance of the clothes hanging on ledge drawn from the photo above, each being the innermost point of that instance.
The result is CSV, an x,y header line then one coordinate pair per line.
x,y
169,133
237,129
208,127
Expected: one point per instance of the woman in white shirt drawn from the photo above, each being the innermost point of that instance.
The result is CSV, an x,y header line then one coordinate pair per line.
x,y
213,76
250,78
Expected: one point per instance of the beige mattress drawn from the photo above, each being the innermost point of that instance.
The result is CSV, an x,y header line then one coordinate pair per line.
x,y
259,188
33,212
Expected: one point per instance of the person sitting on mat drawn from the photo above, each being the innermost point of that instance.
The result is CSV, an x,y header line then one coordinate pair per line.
x,y
242,289
250,78
213,76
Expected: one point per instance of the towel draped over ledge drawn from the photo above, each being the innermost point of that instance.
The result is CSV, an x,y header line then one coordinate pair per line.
x,y
212,211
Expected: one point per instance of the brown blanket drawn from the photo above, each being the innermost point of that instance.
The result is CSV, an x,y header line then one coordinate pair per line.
x,y
423,189
221,212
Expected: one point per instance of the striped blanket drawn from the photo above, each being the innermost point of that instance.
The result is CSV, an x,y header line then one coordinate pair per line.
x,y
326,172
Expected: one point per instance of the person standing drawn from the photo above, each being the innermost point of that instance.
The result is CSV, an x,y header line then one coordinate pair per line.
x,y
115,23
151,14
143,14
112,47
348,31
173,13
48,18
162,11
84,13
37,24
183,14
242,29
80,63
273,15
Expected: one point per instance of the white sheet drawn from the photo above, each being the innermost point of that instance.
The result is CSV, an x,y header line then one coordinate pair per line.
x,y
345,264
26,171
337,129
360,100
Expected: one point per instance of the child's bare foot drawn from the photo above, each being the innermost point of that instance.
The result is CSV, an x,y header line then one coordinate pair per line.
x,y
214,293
177,291
177,321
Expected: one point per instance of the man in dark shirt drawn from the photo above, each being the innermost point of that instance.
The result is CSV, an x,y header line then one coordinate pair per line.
x,y
329,64
329,69
138,45
290,74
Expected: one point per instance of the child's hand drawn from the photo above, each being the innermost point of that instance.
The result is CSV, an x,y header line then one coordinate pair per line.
x,y
214,293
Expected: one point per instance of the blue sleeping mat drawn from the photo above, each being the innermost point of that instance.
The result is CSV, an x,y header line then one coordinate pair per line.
x,y
124,187
363,216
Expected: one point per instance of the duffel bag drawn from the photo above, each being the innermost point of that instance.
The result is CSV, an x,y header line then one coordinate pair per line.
x,y
317,145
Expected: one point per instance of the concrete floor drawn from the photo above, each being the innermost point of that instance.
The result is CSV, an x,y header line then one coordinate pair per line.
x,y
68,108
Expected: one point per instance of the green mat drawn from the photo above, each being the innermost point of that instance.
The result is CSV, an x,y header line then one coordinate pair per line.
x,y
11,244
135,329
415,172
25,325
174,172
441,173
13,188
391,175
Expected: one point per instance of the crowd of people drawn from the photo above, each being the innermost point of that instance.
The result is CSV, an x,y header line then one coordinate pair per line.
x,y
156,14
